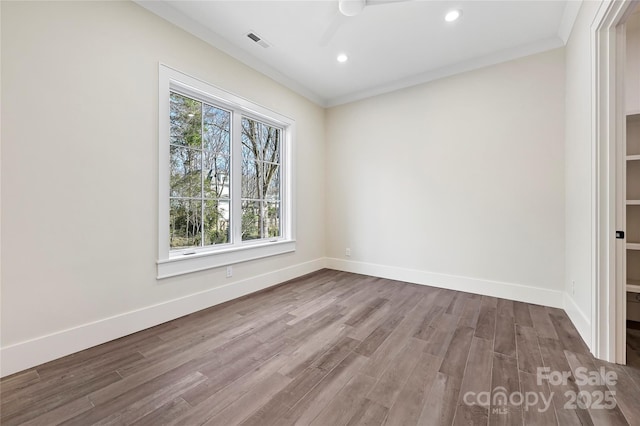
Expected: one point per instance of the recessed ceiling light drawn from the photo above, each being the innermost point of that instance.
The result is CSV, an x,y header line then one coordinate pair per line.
x,y
452,15
342,58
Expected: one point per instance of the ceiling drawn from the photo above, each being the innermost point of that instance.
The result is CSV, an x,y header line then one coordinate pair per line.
x,y
389,46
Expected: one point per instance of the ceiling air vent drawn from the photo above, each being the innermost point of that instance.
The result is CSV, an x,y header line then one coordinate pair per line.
x,y
257,39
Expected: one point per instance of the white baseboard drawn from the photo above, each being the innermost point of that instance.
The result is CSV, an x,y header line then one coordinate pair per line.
x,y
518,292
578,318
27,354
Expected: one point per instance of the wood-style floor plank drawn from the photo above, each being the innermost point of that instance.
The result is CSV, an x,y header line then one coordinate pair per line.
x,y
541,322
627,391
529,357
393,379
308,408
455,359
470,313
345,404
540,410
600,416
164,414
521,314
505,338
555,360
329,348
486,326
504,383
441,401
369,414
250,402
444,328
408,406
476,379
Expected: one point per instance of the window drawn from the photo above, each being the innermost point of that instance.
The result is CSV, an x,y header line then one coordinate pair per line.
x,y
260,180
200,153
225,178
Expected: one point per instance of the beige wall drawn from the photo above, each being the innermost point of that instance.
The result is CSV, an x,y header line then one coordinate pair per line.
x,y
460,177
466,178
79,163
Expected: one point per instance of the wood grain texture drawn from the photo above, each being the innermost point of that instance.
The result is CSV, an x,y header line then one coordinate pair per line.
x,y
504,383
408,406
529,358
477,381
505,340
328,348
441,402
486,326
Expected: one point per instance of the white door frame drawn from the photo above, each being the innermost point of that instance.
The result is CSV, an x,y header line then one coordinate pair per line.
x,y
608,288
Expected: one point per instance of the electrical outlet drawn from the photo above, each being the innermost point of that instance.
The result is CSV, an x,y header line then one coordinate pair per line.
x,y
573,288
229,271
347,252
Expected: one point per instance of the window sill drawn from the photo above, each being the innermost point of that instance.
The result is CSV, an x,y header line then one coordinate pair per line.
x,y
186,264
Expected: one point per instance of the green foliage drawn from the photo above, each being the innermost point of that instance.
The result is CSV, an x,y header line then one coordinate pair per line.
x,y
200,172
186,121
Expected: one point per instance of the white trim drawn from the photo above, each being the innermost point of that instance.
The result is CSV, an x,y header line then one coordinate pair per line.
x,y
202,261
172,263
169,13
517,292
608,115
569,16
579,319
30,353
451,70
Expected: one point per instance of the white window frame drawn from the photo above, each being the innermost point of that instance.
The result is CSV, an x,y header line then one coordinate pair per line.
x,y
177,262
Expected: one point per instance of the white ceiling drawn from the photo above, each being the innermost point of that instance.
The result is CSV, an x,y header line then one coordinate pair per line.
x,y
390,46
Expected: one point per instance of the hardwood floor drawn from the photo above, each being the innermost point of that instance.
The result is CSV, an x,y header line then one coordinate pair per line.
x,y
333,348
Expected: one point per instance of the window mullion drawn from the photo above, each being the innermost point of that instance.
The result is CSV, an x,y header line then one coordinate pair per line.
x,y
236,177
202,174
285,224
183,257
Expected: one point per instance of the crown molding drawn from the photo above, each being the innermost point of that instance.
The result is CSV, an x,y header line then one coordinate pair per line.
x,y
461,67
569,17
172,15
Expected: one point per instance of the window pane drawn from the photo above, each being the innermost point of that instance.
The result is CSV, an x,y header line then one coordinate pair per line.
x,y
247,152
216,222
185,179
185,223
217,175
273,219
260,180
261,141
186,121
272,179
216,128
272,145
250,178
250,220
260,219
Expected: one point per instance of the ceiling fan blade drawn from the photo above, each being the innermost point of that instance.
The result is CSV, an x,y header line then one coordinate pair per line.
x,y
331,30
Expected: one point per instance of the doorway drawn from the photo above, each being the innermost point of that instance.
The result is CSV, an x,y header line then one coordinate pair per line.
x,y
631,181
610,196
